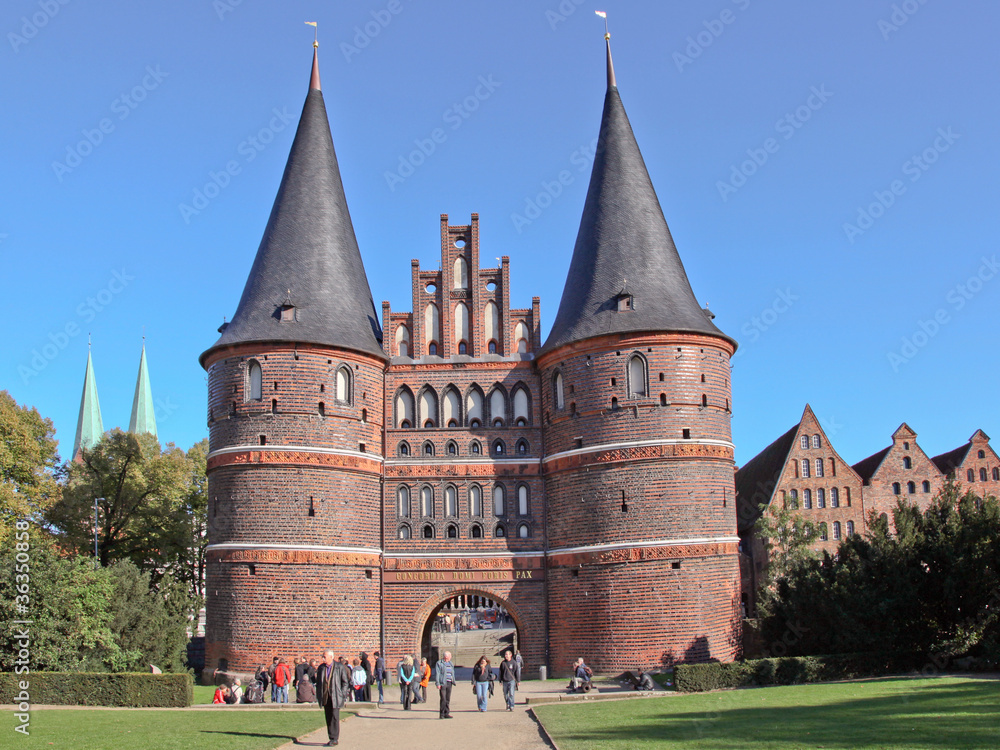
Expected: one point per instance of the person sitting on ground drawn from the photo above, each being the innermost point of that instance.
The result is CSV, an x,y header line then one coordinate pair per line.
x,y
221,693
236,692
645,681
306,690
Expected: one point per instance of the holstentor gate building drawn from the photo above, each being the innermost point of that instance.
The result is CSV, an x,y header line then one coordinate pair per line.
x,y
367,467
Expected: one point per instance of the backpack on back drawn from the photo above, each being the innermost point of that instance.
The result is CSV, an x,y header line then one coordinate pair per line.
x,y
254,693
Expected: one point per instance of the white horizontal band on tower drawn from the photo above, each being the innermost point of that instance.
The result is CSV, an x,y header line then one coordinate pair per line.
x,y
637,544
637,444
292,547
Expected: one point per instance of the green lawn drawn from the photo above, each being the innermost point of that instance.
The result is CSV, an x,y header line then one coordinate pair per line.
x,y
203,694
948,713
176,729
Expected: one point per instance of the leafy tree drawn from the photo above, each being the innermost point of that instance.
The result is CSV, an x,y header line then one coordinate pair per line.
x,y
28,464
141,495
190,565
786,537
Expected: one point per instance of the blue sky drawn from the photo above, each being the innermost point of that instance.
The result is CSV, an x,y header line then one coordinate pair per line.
x,y
828,171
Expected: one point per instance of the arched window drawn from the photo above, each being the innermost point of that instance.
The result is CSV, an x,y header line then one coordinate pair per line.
x,y
834,497
477,531
432,325
911,487
823,533
996,475
982,475
452,406
404,532
637,377
498,448
492,346
895,488
463,347
475,448
499,532
256,389
475,501
428,448
805,468
907,463
428,407
821,498
491,324
971,475
498,500
807,499
403,341
498,408
404,449
981,454
522,499
474,407
836,530
522,447
926,486
817,443
452,448
427,502
461,324
850,528
521,337
819,467
847,496
452,531
461,268
522,531
522,408
404,408
804,441
403,501
343,385
793,499
432,348
428,532
557,390
450,501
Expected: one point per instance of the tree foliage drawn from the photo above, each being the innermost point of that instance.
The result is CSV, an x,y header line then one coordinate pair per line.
x,y
28,464
786,537
931,585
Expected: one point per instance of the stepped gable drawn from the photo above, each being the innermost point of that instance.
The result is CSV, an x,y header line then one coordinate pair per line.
x,y
624,249
308,283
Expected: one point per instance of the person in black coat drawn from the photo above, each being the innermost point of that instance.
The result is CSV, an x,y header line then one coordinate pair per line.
x,y
333,685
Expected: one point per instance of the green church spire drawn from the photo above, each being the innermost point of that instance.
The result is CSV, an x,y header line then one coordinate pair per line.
x,y
89,427
143,418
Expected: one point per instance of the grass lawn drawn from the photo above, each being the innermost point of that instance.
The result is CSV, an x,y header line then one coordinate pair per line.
x,y
947,713
176,729
203,694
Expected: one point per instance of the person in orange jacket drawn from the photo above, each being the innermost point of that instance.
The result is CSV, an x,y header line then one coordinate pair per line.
x,y
425,678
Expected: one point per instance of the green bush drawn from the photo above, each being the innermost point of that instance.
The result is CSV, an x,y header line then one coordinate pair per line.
x,y
794,670
137,690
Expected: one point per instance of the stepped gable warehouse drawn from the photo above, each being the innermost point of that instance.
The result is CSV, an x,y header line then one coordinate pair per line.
x,y
586,484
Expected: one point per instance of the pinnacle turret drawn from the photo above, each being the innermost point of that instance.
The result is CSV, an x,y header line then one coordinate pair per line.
x,y
143,416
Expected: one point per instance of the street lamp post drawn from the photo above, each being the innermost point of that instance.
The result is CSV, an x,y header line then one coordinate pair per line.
x,y
96,558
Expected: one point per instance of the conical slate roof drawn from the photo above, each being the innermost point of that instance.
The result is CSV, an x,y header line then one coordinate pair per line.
x,y
89,426
308,283
624,247
143,415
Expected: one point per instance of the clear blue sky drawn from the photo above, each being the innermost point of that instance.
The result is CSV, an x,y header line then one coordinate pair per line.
x,y
837,97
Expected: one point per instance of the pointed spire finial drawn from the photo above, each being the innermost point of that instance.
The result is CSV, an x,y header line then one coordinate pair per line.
x,y
314,80
607,40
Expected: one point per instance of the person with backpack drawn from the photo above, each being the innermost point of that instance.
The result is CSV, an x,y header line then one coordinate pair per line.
x,y
235,692
264,679
254,692
282,676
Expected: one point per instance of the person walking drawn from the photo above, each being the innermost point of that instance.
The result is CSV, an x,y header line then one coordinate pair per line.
x,y
380,676
510,678
482,681
407,675
425,678
333,683
444,678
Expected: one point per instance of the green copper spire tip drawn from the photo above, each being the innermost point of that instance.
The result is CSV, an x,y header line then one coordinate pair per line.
x,y
89,426
143,416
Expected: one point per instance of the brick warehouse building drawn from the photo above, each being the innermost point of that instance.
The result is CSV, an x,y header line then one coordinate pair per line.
x,y
367,470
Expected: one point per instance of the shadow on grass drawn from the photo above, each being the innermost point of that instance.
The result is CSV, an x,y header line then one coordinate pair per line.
x,y
285,737
945,717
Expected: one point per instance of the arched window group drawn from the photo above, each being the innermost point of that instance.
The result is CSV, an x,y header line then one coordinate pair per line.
x,y
453,507
497,410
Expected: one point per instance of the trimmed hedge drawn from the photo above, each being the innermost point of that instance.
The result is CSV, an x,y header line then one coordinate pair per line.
x,y
138,690
792,670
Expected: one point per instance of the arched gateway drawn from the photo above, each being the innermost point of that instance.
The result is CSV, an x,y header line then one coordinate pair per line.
x,y
468,623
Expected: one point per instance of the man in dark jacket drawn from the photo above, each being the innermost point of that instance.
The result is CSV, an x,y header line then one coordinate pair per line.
x,y
333,685
380,676
510,678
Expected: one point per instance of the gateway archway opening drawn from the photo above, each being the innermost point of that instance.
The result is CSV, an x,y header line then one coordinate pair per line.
x,y
469,625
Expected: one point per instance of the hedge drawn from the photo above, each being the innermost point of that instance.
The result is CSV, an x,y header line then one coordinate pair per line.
x,y
100,689
793,670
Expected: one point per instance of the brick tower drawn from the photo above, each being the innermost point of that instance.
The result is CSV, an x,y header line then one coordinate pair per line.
x,y
295,428
638,455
